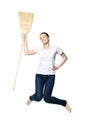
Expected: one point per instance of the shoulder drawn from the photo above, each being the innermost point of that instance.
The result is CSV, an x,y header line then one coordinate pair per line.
x,y
55,46
57,49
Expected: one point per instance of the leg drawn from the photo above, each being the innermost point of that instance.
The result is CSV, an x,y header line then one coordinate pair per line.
x,y
48,91
39,84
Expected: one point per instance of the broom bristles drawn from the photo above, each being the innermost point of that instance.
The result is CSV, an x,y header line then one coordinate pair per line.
x,y
25,21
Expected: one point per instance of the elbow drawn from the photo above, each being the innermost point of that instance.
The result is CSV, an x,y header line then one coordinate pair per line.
x,y
65,59
26,53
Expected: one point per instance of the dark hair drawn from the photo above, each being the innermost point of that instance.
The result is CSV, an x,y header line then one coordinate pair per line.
x,y
44,33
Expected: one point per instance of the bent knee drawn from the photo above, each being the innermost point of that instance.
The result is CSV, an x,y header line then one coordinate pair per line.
x,y
46,99
38,99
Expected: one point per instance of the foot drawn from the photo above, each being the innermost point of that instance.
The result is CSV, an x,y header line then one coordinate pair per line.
x,y
28,102
68,107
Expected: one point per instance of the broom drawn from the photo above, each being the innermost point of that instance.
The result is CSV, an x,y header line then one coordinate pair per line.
x,y
25,22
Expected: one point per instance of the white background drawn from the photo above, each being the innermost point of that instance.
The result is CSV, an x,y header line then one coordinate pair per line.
x,y
66,23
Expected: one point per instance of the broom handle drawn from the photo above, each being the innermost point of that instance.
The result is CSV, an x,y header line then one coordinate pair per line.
x,y
17,67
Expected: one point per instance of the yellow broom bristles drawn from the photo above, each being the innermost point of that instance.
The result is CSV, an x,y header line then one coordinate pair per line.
x,y
25,21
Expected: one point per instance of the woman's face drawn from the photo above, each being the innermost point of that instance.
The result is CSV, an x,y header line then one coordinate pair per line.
x,y
44,38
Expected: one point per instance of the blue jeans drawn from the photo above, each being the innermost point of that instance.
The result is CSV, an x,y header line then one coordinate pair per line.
x,y
43,89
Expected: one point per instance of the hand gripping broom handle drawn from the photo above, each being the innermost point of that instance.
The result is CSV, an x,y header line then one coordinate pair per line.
x,y
25,20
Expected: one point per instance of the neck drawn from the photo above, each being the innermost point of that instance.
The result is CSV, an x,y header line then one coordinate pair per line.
x,y
46,46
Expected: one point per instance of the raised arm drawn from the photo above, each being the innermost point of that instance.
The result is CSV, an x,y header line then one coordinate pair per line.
x,y
64,58
25,46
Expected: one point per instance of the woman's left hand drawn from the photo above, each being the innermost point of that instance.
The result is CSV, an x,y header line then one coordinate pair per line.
x,y
55,68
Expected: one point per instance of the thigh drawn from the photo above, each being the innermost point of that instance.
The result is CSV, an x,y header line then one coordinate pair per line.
x,y
49,85
39,84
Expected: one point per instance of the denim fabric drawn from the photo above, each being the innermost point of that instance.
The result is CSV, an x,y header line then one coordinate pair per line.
x,y
43,89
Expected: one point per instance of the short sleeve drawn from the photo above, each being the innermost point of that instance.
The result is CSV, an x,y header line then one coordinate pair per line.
x,y
59,50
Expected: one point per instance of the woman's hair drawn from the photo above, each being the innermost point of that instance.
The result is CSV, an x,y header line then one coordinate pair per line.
x,y
45,34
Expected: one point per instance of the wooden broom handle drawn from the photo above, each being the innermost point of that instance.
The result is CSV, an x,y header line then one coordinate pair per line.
x,y
17,67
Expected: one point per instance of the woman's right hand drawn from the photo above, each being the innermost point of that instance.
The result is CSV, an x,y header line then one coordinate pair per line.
x,y
24,37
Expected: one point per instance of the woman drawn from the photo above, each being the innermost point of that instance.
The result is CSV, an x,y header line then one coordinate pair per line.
x,y
45,76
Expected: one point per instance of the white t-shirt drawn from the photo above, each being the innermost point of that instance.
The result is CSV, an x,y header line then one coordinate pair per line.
x,y
47,59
